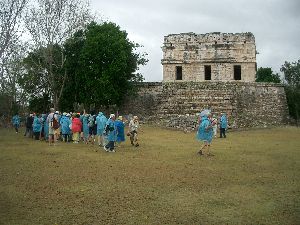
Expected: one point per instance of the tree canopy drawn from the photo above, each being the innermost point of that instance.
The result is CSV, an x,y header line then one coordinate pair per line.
x,y
101,66
267,75
291,73
11,50
36,80
50,23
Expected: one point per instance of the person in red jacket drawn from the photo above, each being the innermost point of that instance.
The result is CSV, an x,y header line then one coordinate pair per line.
x,y
76,128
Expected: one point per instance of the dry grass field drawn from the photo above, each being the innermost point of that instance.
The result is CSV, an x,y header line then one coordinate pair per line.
x,y
253,178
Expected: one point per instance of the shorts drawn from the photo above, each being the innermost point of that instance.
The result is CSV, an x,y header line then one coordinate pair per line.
x,y
92,131
51,131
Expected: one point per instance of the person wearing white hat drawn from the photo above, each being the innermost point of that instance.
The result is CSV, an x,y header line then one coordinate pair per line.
x,y
120,130
51,117
65,127
28,123
133,131
214,122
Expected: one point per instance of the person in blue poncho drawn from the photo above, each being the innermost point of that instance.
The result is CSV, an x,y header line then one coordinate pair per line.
x,y
101,122
46,127
37,126
205,132
111,131
85,127
223,125
65,127
16,122
92,127
120,130
42,133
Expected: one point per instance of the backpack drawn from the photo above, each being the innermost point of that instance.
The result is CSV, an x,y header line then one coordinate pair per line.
x,y
55,124
91,121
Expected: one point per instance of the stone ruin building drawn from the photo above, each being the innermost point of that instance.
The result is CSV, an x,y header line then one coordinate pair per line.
x,y
212,56
213,71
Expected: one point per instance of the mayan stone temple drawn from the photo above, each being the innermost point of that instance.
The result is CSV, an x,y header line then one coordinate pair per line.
x,y
213,71
213,56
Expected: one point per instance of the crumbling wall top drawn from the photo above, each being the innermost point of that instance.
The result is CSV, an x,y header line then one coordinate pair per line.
x,y
210,37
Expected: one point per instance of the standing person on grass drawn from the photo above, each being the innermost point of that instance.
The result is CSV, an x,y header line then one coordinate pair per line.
x,y
46,127
56,125
205,133
28,125
85,128
214,121
65,127
49,120
37,126
223,125
111,132
92,127
120,130
16,122
76,128
133,131
101,122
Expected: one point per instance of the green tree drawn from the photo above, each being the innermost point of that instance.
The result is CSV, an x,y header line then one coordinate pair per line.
x,y
101,64
50,23
39,104
267,75
36,80
291,73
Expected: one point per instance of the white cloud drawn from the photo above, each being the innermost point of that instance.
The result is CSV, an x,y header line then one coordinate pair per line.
x,y
275,24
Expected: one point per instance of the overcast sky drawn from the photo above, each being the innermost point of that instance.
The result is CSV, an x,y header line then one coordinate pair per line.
x,y
274,23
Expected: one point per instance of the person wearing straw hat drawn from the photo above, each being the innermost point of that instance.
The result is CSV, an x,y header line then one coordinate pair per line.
x,y
133,131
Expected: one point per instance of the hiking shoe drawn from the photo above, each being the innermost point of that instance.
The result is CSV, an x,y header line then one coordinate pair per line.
x,y
137,145
106,149
200,152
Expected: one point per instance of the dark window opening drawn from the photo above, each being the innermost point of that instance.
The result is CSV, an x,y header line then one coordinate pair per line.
x,y
207,72
237,72
178,72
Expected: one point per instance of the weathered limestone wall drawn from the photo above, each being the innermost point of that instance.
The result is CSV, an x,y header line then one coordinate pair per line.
x,y
219,50
174,104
